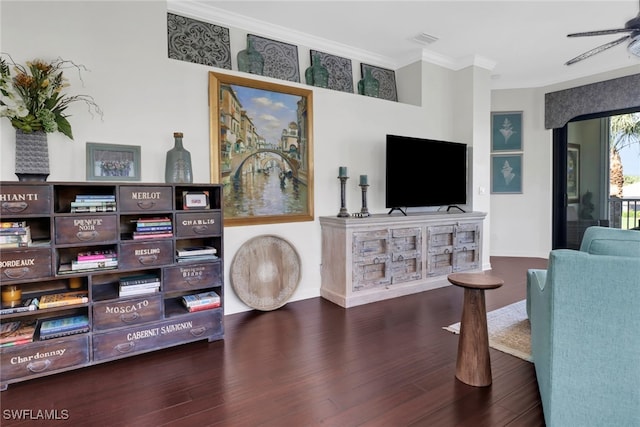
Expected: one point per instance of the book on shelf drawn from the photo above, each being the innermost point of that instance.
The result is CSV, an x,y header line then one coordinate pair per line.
x,y
67,268
164,220
12,224
152,228
90,265
93,209
202,298
201,307
20,330
139,291
141,285
63,299
17,342
138,279
196,250
86,262
97,255
14,245
93,204
29,304
15,231
15,237
90,197
62,326
194,258
151,235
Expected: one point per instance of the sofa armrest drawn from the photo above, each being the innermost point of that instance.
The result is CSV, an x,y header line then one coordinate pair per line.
x,y
584,340
536,279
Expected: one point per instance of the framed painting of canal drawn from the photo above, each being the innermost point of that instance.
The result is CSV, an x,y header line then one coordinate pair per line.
x,y
261,149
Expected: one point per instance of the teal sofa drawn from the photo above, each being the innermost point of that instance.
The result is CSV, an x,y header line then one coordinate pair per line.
x,y
585,331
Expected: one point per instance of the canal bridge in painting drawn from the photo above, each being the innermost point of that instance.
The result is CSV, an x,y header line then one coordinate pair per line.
x,y
239,161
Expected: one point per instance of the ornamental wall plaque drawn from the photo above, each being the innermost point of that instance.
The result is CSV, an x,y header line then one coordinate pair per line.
x,y
265,272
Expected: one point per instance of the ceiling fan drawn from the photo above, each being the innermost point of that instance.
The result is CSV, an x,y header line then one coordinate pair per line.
x,y
632,27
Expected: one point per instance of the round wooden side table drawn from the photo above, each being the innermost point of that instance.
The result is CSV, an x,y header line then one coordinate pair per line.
x,y
473,365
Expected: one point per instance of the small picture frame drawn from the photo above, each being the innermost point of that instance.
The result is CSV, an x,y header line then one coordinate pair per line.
x,y
195,200
506,174
506,131
573,173
113,162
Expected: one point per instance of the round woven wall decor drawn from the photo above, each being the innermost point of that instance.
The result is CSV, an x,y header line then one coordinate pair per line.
x,y
265,272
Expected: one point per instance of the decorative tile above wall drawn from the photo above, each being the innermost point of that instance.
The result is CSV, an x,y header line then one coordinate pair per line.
x,y
198,42
280,59
387,80
340,72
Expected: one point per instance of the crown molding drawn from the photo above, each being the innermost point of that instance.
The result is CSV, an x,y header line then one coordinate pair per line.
x,y
214,15
445,61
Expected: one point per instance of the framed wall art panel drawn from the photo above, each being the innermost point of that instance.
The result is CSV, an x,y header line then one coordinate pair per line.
x,y
340,72
506,131
261,146
280,59
506,173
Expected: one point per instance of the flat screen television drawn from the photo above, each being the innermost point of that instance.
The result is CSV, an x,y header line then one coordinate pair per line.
x,y
425,172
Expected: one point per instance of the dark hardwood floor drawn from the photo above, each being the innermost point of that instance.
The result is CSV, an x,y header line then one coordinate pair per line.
x,y
309,363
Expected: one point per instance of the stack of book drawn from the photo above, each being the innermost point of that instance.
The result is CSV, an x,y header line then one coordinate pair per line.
x,y
63,299
29,304
63,326
196,253
94,203
140,284
201,301
153,228
18,332
107,258
14,234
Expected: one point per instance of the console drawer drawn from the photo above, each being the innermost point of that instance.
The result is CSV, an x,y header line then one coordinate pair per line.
x,y
20,264
44,356
86,229
128,312
204,223
146,254
192,276
25,199
145,199
178,330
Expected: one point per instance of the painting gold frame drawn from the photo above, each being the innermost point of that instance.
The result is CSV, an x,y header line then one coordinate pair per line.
x,y
261,149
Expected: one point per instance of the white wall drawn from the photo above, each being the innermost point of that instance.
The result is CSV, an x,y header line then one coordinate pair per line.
x,y
146,97
521,224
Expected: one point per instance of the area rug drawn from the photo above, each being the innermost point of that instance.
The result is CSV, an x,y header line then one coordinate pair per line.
x,y
509,330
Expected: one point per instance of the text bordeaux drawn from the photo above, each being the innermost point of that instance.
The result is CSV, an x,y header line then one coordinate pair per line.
x,y
18,263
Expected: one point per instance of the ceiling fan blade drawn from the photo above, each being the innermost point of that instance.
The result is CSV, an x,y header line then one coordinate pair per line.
x,y
602,32
597,50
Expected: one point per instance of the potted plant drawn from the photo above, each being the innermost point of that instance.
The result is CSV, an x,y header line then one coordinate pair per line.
x,y
32,99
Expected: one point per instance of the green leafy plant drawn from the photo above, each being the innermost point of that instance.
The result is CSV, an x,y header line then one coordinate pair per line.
x,y
32,97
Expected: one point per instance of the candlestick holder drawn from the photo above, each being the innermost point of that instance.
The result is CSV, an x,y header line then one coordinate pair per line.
x,y
364,212
343,203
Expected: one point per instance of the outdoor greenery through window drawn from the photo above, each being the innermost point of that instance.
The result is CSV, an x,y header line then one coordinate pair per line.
x,y
624,168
